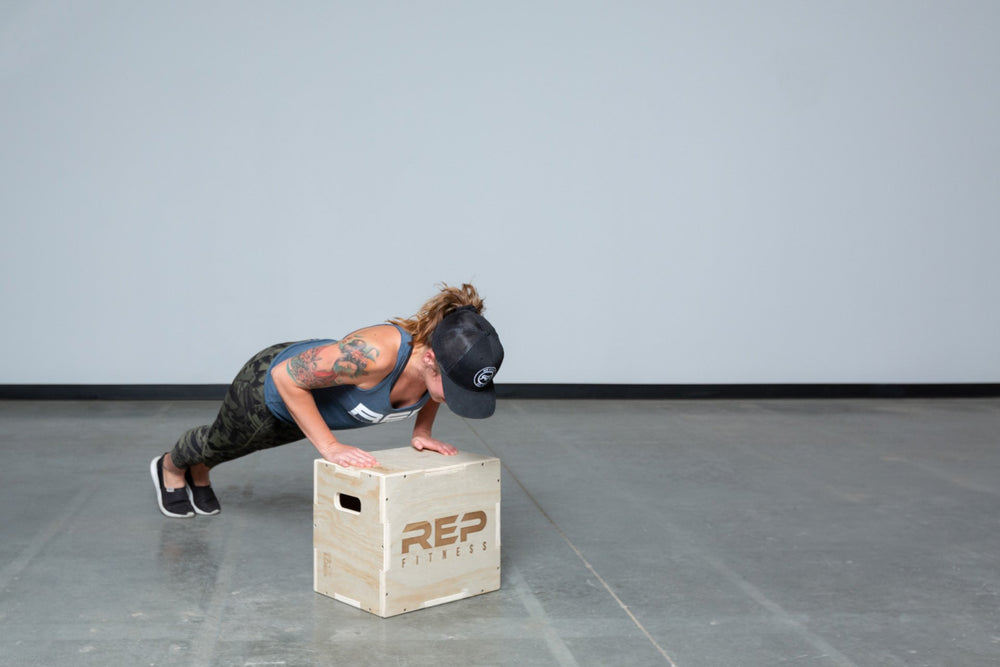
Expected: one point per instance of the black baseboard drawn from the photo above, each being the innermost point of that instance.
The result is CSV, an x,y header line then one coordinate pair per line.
x,y
747,391
113,392
180,392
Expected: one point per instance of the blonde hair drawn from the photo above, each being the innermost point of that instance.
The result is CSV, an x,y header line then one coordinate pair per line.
x,y
448,299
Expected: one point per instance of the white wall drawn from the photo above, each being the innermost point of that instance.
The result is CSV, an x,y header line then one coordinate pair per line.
x,y
645,192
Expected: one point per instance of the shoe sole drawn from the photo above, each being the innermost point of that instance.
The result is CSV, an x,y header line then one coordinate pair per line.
x,y
159,496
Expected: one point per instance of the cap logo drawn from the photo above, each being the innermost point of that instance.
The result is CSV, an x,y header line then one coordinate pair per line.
x,y
484,376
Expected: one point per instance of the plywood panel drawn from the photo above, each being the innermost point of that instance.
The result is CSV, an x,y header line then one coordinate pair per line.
x,y
424,530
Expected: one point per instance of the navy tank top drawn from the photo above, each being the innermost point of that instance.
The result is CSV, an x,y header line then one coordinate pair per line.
x,y
347,406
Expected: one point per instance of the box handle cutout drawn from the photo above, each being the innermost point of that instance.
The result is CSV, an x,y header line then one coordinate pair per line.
x,y
348,503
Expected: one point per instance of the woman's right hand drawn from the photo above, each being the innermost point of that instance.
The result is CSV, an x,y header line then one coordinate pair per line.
x,y
345,455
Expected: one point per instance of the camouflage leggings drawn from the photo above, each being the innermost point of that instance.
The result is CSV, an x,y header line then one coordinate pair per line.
x,y
244,424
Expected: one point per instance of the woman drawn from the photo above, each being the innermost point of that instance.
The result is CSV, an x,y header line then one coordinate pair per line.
x,y
447,353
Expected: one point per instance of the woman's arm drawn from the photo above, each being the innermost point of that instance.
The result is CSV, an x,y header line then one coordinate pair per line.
x,y
422,431
356,360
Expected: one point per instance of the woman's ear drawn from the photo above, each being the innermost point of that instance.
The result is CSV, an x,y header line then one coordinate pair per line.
x,y
430,359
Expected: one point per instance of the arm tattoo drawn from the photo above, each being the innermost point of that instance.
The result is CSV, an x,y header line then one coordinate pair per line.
x,y
305,372
355,353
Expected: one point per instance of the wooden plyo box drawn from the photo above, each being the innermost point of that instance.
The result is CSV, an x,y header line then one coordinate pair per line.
x,y
419,530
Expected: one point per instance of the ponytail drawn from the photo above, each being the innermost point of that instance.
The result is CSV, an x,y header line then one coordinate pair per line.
x,y
447,300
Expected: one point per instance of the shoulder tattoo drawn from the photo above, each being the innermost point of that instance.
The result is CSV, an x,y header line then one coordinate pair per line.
x,y
355,355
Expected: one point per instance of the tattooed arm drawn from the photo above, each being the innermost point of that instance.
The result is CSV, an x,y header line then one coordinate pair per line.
x,y
362,359
350,361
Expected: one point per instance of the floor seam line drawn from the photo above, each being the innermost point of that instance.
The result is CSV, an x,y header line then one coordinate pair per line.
x,y
535,610
10,571
206,642
583,559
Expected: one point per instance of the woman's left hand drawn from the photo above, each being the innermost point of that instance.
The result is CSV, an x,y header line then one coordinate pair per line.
x,y
422,442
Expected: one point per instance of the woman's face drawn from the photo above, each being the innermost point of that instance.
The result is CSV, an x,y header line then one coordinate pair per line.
x,y
432,376
434,386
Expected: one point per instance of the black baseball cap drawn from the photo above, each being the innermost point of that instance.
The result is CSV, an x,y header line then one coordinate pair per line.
x,y
469,352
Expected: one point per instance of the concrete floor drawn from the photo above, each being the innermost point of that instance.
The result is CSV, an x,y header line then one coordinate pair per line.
x,y
688,533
